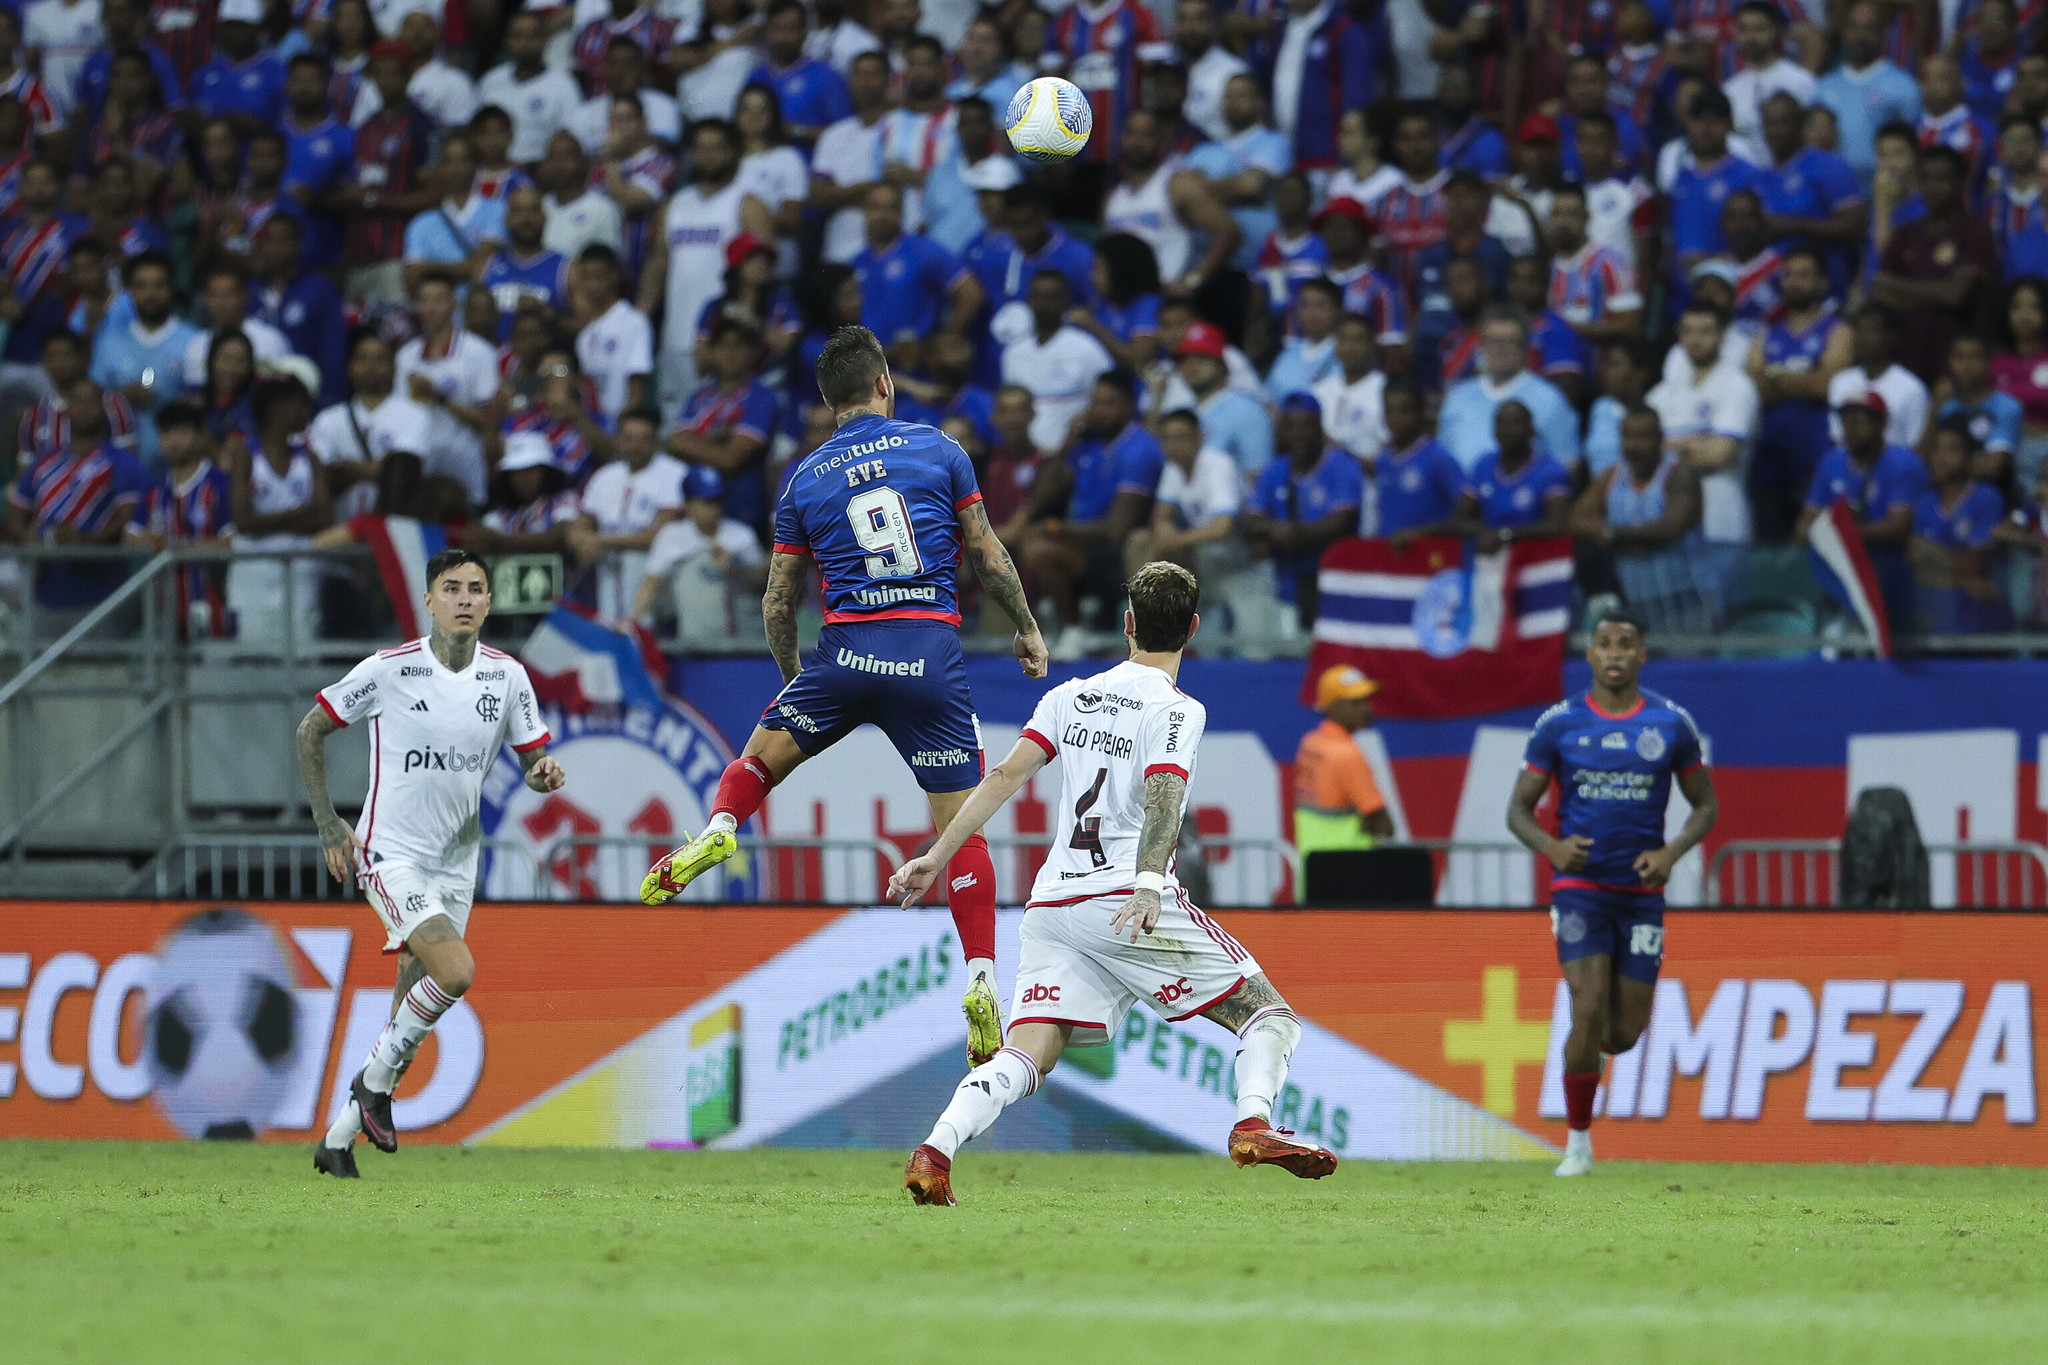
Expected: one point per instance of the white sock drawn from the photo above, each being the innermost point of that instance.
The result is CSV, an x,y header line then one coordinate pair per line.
x,y
343,1133
722,820
982,966
417,1014
982,1095
1265,1045
1577,1140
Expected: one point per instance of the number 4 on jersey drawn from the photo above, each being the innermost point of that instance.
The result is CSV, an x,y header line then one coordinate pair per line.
x,y
1088,828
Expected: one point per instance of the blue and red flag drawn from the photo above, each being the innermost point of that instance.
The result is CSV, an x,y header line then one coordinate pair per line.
x,y
579,663
402,546
1843,567
1444,630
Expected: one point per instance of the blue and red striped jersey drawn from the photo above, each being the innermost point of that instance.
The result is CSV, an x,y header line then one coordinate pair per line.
x,y
10,182
390,149
1636,77
1586,26
184,30
1098,48
572,453
1586,287
198,508
1759,290
1410,219
1963,130
31,254
656,36
35,101
87,491
1373,295
46,427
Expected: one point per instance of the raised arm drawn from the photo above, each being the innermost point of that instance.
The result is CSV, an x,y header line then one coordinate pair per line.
x,y
778,610
337,841
1025,758
999,578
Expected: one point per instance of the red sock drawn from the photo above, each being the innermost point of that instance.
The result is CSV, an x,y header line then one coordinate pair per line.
x,y
971,894
1579,1089
742,790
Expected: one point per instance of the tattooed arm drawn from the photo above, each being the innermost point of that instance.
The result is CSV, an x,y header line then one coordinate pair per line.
x,y
1163,795
337,840
999,577
778,610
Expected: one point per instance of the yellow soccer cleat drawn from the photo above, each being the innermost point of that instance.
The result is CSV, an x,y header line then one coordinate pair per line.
x,y
667,878
984,1022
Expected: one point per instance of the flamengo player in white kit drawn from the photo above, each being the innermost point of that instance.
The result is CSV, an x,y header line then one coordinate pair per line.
x,y
439,710
1125,741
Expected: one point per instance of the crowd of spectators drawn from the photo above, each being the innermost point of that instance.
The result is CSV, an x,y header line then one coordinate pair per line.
x,y
1669,277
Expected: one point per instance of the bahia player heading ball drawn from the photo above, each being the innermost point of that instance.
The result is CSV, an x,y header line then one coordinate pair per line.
x,y
1048,120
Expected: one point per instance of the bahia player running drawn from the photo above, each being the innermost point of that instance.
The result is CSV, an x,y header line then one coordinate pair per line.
x,y
1614,753
885,509
439,710
1125,741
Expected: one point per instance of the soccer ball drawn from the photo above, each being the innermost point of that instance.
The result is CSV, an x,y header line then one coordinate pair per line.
x,y
1048,120
221,1035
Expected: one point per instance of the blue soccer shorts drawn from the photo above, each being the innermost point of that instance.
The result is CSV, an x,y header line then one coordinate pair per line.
x,y
1629,928
906,678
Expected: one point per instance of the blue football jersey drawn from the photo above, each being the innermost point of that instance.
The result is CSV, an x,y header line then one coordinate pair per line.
x,y
512,280
878,506
1614,779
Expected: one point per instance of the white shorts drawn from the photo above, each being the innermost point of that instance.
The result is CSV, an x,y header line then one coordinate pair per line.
x,y
1073,970
403,895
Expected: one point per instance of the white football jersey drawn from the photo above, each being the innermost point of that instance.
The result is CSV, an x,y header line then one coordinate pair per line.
x,y
1107,734
434,734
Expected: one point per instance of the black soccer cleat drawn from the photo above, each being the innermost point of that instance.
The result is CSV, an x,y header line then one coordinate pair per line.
x,y
339,1162
375,1110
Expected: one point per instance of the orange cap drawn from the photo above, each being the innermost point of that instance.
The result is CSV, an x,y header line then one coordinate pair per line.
x,y
1342,682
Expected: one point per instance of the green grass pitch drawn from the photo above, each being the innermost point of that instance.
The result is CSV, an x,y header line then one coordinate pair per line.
x,y
142,1252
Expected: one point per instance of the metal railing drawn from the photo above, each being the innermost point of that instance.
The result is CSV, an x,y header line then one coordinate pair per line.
x,y
776,871
1478,874
786,871
266,867
608,868
283,626
1247,871
138,654
1807,872
22,619
138,595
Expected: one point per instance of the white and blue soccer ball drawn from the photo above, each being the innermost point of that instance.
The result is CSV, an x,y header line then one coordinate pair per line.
x,y
1048,120
222,1031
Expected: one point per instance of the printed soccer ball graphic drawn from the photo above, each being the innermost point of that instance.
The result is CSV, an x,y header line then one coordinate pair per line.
x,y
1048,120
222,1031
